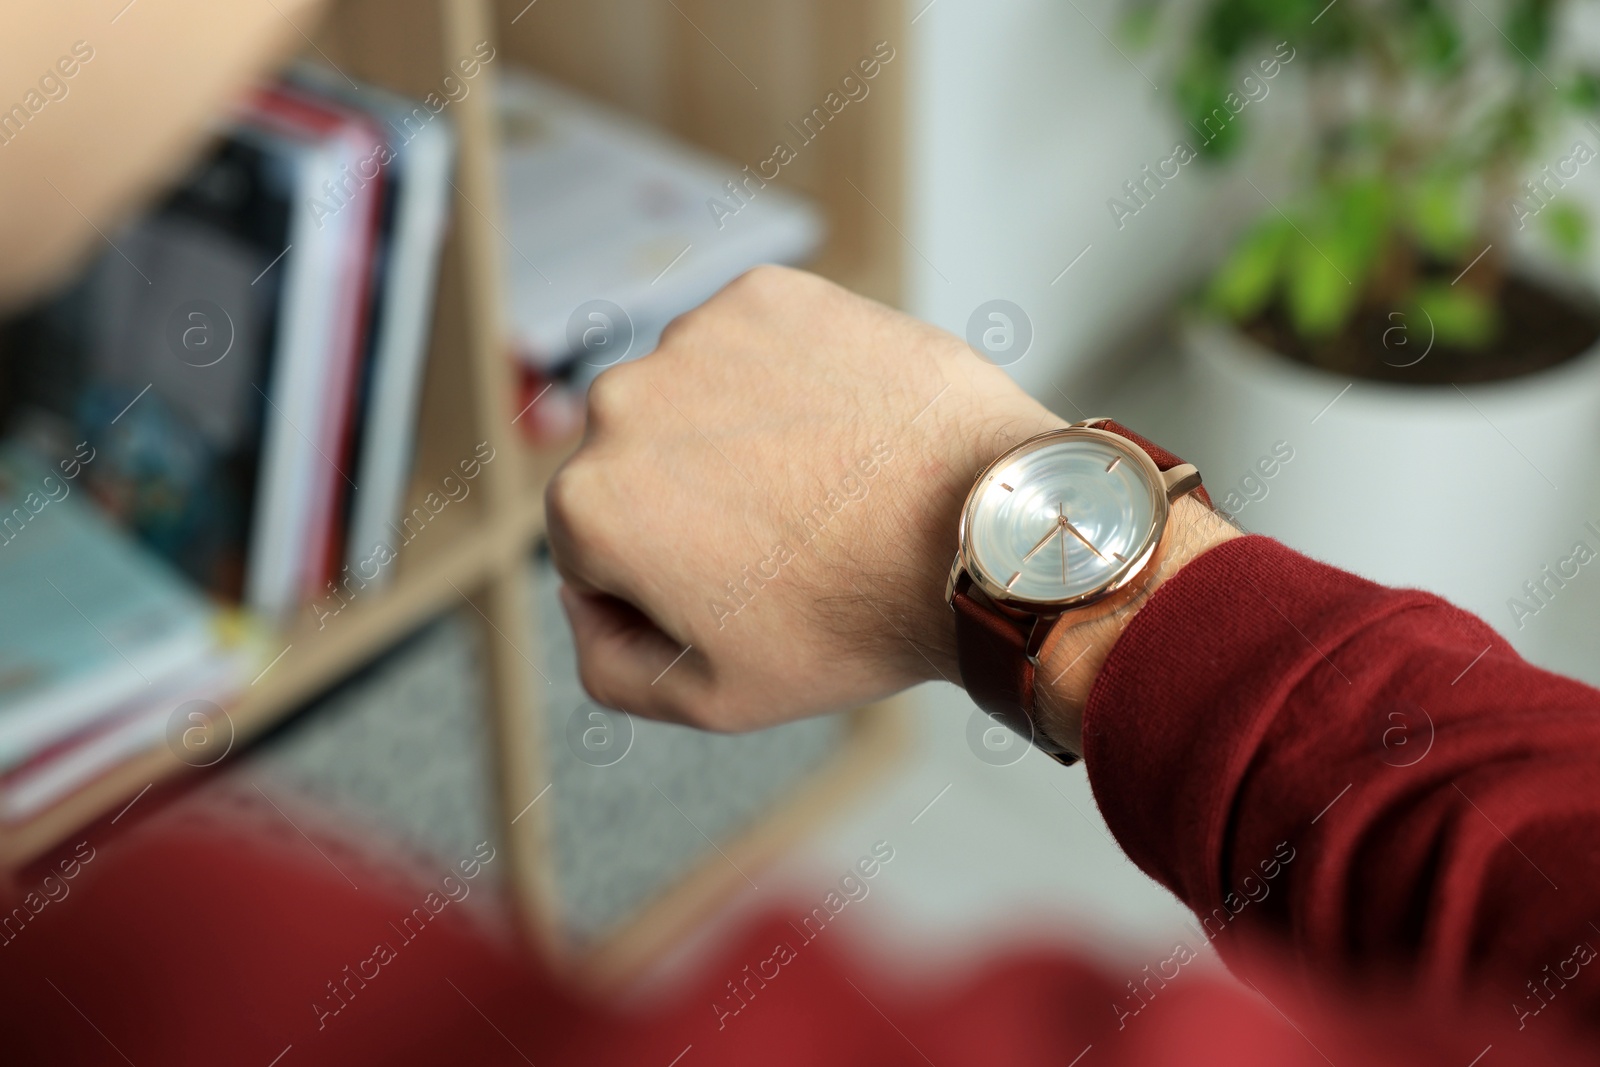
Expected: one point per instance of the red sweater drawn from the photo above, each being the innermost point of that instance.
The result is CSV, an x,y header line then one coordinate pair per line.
x,y
1385,820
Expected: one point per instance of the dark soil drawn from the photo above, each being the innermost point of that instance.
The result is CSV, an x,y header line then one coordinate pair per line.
x,y
1539,328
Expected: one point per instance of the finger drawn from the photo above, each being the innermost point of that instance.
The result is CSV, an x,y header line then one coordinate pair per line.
x,y
627,662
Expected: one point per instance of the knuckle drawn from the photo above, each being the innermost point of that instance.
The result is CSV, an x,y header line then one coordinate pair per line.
x,y
583,528
611,395
597,683
569,502
680,326
709,711
765,278
561,494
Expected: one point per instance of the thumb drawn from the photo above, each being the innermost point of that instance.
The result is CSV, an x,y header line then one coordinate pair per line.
x,y
627,662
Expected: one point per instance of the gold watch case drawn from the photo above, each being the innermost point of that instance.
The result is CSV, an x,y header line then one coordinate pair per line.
x,y
966,574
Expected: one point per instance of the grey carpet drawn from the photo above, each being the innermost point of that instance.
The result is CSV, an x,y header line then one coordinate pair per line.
x,y
400,755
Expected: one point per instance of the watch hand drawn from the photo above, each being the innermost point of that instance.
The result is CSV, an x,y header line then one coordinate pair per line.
x,y
1063,561
1045,540
1074,531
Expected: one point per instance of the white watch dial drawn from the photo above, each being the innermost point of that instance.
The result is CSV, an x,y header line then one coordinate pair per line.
x,y
1070,516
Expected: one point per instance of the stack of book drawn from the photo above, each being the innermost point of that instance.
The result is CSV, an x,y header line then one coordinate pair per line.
x,y
236,383
101,643
613,229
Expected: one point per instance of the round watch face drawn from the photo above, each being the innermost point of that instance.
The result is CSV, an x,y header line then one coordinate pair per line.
x,y
1063,518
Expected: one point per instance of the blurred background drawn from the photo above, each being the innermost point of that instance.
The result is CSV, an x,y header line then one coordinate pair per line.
x,y
275,438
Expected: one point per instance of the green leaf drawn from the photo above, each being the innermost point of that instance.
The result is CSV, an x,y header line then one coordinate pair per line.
x,y
1461,318
1340,236
1527,28
1567,227
1440,218
1584,93
1360,224
1202,92
1228,26
1248,277
1438,40
1321,296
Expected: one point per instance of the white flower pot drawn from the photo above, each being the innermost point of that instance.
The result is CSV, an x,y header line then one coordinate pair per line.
x,y
1471,491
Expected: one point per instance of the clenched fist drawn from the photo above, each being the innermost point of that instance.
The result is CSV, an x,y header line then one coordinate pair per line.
x,y
759,522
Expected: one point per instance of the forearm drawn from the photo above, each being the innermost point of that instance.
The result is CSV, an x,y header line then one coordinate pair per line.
x,y
1369,773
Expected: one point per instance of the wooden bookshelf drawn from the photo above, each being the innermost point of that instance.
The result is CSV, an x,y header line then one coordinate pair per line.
x,y
655,60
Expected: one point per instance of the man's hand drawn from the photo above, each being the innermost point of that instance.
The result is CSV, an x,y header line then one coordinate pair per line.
x,y
760,520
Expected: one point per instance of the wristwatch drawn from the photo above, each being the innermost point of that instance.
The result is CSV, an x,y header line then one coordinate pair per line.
x,y
1065,520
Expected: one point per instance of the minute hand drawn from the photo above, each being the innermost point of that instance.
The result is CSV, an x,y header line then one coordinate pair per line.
x,y
1045,540
1074,531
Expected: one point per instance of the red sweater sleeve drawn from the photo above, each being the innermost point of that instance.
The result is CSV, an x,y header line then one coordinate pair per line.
x,y
1369,775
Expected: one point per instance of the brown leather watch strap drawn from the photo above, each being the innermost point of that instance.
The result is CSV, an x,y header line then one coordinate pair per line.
x,y
991,646
995,668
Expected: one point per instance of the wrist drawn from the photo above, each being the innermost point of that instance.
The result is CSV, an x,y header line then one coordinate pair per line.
x,y
972,434
1076,650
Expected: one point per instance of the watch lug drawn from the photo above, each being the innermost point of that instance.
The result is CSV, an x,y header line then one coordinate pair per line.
x,y
953,582
1184,478
1038,630
1094,422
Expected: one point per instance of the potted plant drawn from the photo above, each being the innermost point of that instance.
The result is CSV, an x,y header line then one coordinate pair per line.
x,y
1405,316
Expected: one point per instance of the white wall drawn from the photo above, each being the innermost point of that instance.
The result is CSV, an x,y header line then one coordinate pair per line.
x,y
1024,120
